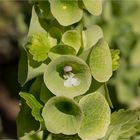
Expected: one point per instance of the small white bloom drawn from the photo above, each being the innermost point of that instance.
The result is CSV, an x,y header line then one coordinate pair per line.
x,y
70,80
75,82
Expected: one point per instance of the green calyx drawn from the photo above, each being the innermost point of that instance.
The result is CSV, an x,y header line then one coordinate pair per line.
x,y
100,61
62,115
69,84
72,38
69,9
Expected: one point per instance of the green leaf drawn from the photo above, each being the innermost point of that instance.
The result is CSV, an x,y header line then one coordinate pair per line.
x,y
96,116
40,46
26,124
93,34
72,38
121,122
93,6
69,84
26,71
69,9
60,50
100,61
129,133
123,116
35,106
62,115
115,59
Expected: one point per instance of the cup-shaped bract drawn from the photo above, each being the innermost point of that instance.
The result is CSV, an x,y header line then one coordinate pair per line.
x,y
67,83
66,12
96,116
62,115
72,38
100,61
93,34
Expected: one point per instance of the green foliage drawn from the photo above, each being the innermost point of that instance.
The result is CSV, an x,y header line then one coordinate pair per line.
x,y
26,123
122,125
33,104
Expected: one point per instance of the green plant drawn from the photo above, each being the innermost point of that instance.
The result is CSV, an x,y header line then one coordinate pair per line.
x,y
64,69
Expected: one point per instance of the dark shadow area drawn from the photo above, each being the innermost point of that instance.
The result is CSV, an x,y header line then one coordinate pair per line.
x,y
14,21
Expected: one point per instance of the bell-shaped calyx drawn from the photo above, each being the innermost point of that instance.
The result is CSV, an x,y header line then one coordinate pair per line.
x,y
100,61
62,115
93,33
67,76
72,38
96,118
66,12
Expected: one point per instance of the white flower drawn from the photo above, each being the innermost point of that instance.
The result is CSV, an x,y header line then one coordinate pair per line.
x,y
70,80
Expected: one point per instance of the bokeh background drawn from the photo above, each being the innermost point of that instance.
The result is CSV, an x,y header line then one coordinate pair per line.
x,y
14,21
120,22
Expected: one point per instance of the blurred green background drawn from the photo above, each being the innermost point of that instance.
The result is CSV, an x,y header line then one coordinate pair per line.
x,y
120,21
